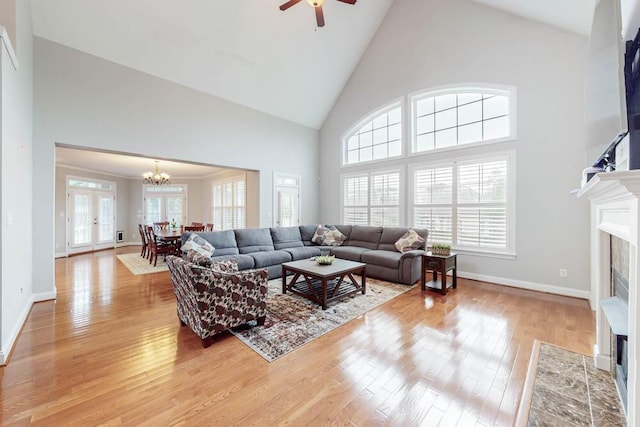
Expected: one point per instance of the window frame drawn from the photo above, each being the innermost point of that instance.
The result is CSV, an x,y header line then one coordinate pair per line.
x,y
510,204
369,174
396,103
481,88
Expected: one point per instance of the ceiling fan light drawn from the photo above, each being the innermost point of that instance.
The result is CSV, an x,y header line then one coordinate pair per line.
x,y
315,3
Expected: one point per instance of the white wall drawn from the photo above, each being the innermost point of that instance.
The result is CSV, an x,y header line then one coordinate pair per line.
x,y
16,112
85,101
605,104
423,44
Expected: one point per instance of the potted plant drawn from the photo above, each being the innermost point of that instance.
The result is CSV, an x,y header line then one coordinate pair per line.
x,y
440,249
174,224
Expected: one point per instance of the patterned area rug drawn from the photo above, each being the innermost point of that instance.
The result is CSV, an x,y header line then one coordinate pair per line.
x,y
293,321
139,265
563,388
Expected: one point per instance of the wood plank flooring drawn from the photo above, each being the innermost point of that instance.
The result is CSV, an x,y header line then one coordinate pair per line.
x,y
110,350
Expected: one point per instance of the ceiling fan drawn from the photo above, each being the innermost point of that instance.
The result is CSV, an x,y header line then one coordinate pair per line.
x,y
317,5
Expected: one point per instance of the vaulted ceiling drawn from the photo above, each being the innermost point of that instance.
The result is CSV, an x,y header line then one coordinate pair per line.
x,y
248,51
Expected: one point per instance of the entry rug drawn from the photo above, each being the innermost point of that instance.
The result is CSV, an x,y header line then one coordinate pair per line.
x,y
293,321
140,265
564,388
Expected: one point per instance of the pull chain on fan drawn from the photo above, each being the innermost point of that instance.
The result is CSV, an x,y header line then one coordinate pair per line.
x,y
317,5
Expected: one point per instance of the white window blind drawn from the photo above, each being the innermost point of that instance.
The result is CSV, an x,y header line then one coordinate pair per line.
x,y
372,198
465,203
229,203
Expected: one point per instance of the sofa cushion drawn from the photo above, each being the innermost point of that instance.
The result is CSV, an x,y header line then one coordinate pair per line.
x,y
410,241
306,232
382,258
286,237
268,258
334,237
223,241
245,262
352,253
304,252
254,240
364,236
390,236
198,244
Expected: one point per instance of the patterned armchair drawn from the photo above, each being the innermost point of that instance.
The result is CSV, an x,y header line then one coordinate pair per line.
x,y
213,296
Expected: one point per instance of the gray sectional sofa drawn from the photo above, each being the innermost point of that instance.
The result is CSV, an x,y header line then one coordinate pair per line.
x,y
270,247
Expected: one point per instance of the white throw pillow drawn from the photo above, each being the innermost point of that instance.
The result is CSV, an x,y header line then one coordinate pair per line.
x,y
334,237
198,244
410,241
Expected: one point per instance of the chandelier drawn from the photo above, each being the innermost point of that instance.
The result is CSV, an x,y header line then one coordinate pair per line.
x,y
156,177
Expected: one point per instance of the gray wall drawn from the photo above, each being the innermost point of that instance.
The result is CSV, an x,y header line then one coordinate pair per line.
x,y
16,114
85,101
429,43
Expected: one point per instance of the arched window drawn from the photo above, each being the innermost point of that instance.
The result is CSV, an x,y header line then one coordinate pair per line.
x,y
464,115
377,137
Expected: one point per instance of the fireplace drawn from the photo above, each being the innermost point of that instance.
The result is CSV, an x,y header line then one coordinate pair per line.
x,y
615,272
616,310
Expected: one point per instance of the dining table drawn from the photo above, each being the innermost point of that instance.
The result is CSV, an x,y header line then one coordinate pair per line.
x,y
170,235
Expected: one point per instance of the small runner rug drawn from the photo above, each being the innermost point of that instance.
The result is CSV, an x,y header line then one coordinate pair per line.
x,y
563,388
139,265
293,321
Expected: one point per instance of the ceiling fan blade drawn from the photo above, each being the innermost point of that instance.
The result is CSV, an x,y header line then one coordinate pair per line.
x,y
319,16
288,4
348,1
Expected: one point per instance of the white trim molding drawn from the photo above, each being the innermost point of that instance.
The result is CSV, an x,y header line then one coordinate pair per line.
x,y
532,286
6,41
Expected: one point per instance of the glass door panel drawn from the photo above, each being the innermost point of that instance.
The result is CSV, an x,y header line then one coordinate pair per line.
x,y
81,219
105,218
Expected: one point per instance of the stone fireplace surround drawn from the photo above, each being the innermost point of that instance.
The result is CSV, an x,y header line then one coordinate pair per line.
x,y
615,210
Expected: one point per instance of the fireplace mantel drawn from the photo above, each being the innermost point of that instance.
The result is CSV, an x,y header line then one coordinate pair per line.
x,y
615,210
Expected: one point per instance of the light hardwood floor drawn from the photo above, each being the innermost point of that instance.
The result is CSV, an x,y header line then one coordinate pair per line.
x,y
110,350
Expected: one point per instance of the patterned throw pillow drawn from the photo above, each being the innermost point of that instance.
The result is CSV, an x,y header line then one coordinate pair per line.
x,y
198,244
410,241
199,259
334,237
319,235
226,266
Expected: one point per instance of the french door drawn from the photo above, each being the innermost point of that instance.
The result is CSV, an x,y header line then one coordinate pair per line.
x,y
91,220
165,204
287,200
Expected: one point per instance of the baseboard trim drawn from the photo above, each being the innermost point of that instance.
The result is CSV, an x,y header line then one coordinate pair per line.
x,y
61,255
7,345
532,286
45,296
602,361
123,244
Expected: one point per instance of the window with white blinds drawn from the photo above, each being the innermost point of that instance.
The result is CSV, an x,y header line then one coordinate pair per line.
x,y
466,203
372,198
229,203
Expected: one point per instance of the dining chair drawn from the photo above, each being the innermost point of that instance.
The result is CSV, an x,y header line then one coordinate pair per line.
x,y
194,228
161,225
143,238
196,224
158,246
208,227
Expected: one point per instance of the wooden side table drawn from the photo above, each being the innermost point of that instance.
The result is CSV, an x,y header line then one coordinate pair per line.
x,y
439,264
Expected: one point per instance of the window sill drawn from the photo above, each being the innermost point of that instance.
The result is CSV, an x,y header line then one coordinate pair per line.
x,y
485,254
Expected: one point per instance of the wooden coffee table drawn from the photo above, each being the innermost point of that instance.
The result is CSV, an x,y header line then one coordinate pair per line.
x,y
324,283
